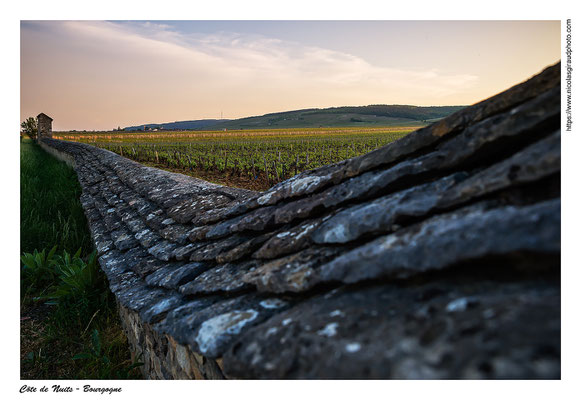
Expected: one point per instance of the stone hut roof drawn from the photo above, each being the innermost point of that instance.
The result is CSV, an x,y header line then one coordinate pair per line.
x,y
43,115
436,256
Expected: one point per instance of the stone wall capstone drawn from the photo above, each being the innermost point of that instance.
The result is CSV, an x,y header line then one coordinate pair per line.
x,y
436,256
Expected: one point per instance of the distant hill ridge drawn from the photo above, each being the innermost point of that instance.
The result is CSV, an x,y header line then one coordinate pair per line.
x,y
178,125
379,114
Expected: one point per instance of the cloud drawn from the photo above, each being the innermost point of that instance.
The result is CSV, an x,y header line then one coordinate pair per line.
x,y
154,68
231,56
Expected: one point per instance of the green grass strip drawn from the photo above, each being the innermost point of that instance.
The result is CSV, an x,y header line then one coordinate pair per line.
x,y
50,211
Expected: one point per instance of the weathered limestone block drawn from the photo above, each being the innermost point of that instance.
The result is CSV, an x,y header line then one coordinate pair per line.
x,y
468,234
430,331
224,278
163,357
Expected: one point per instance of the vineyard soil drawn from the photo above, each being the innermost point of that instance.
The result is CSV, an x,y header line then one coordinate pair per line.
x,y
256,159
221,178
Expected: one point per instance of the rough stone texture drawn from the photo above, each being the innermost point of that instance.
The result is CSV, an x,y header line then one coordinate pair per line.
x,y
162,356
469,234
438,330
437,256
44,125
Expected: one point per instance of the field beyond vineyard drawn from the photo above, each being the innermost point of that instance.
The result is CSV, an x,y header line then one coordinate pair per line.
x,y
251,159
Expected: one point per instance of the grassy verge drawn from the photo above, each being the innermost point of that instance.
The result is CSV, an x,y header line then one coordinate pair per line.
x,y
69,325
50,212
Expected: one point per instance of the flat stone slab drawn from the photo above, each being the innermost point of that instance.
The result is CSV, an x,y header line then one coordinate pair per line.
x,y
433,331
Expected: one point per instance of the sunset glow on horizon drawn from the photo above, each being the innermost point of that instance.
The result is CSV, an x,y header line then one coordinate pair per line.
x,y
97,75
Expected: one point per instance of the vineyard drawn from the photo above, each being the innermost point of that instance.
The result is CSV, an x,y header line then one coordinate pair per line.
x,y
256,159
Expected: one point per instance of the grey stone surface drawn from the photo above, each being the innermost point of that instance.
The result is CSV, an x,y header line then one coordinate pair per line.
x,y
438,330
214,249
209,328
223,278
293,273
163,357
384,214
286,241
44,125
468,234
181,275
244,249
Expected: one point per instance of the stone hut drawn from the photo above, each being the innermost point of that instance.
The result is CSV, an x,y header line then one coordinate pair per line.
x,y
44,123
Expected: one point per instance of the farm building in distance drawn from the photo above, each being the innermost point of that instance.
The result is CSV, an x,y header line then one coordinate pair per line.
x,y
44,123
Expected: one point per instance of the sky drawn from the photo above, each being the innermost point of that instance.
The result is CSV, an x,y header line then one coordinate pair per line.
x,y
98,75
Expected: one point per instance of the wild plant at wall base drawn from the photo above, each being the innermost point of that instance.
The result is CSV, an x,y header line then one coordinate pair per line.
x,y
98,364
81,291
37,272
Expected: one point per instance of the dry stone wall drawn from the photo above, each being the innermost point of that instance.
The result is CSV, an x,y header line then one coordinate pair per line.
x,y
437,256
